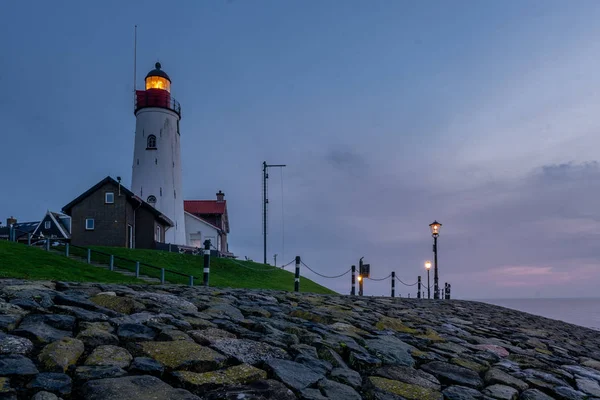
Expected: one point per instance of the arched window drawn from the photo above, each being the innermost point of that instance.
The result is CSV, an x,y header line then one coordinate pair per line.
x,y
151,142
151,199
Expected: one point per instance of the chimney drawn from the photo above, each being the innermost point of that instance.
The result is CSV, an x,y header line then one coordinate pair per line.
x,y
10,221
220,196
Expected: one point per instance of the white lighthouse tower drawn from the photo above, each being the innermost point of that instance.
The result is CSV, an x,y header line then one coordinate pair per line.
x,y
156,174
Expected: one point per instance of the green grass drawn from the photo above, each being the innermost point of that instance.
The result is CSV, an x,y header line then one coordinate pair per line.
x,y
223,272
21,261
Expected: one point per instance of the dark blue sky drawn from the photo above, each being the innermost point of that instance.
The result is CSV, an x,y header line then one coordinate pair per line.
x,y
389,114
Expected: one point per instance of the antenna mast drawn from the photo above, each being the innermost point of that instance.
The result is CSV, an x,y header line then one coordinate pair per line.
x,y
134,61
265,202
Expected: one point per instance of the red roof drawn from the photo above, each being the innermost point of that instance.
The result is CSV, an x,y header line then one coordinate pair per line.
x,y
204,206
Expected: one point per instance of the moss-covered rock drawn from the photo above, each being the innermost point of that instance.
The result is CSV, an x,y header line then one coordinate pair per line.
x,y
123,305
96,334
393,324
112,356
5,390
404,390
472,365
313,317
183,355
240,374
60,355
432,336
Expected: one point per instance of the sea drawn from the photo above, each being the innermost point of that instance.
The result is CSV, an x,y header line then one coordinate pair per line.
x,y
579,311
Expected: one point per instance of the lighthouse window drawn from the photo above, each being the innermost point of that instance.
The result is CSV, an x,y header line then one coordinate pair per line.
x,y
157,82
161,191
151,142
151,199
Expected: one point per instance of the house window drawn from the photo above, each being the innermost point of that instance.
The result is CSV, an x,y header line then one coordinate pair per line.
x,y
151,142
47,225
89,224
157,237
109,198
151,199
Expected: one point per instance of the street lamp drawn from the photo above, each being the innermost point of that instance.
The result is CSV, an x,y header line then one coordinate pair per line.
x,y
428,267
435,232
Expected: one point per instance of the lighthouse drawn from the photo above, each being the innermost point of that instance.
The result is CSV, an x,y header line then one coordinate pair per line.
x,y
156,176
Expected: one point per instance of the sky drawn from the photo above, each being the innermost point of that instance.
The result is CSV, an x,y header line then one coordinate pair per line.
x,y
482,115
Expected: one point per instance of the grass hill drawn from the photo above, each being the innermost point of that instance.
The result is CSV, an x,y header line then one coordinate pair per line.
x,y
223,272
25,262
21,261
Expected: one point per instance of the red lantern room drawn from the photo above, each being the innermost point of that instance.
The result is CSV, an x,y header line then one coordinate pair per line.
x,y
157,92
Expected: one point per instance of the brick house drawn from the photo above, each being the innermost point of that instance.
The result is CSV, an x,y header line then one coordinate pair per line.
x,y
207,219
108,214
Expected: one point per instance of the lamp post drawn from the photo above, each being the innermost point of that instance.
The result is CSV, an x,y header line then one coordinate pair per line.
x,y
435,232
428,267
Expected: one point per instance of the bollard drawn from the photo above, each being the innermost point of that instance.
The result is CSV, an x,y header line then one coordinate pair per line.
x,y
191,281
137,269
353,290
419,286
29,239
360,284
89,256
393,284
162,276
448,290
111,264
206,261
297,275
67,249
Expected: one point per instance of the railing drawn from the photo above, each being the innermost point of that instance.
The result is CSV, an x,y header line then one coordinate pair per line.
x,y
156,98
114,263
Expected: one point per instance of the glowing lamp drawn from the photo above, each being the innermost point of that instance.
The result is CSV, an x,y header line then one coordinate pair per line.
x,y
435,228
359,278
427,265
158,79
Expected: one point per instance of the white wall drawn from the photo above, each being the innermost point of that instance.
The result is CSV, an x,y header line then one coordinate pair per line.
x,y
198,231
159,171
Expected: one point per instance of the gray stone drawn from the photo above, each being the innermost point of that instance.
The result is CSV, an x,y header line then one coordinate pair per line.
x,y
10,344
588,386
60,355
146,366
363,362
293,374
168,300
11,365
109,356
409,375
568,393
81,314
9,322
311,394
335,390
346,376
461,393
497,376
450,374
534,394
391,350
225,310
44,396
210,336
56,383
84,373
133,387
583,371
261,390
135,332
43,329
314,364
248,351
501,392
